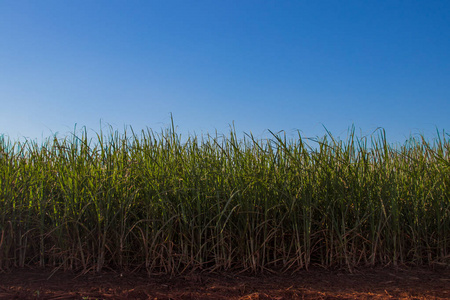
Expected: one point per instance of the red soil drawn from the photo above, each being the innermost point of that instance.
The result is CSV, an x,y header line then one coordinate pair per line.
x,y
313,284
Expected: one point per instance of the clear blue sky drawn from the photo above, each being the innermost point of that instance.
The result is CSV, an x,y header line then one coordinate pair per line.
x,y
278,65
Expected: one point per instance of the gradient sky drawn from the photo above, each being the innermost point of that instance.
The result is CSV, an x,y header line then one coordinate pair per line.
x,y
278,65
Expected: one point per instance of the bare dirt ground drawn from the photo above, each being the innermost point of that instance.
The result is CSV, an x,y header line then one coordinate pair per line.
x,y
312,284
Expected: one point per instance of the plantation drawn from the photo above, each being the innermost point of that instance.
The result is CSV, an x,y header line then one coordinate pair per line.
x,y
150,201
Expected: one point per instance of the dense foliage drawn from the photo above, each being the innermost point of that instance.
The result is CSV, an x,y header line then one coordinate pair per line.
x,y
151,201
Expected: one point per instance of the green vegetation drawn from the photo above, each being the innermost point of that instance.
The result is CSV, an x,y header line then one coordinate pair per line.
x,y
150,201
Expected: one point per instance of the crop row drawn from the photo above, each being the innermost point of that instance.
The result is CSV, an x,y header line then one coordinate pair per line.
x,y
151,201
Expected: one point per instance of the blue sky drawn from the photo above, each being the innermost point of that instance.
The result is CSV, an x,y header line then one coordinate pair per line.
x,y
278,65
